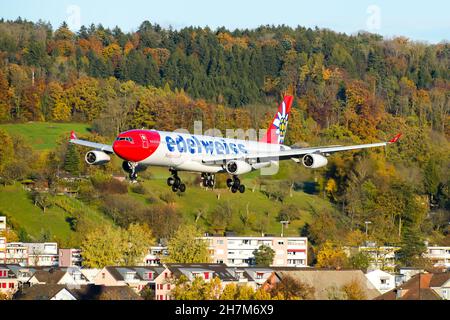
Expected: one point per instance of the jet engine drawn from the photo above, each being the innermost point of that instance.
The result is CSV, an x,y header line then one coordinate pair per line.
x,y
97,158
314,161
237,167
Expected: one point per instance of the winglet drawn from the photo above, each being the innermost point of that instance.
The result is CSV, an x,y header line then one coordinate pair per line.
x,y
72,135
395,139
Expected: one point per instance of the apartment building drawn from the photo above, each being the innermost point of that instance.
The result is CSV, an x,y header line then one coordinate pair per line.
x,y
439,256
8,281
16,253
69,257
43,254
2,239
238,251
381,257
154,255
2,249
32,254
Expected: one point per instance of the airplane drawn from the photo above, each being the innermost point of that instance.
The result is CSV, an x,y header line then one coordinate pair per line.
x,y
209,155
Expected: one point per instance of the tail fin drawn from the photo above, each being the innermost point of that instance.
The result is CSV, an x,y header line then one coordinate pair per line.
x,y
277,129
73,135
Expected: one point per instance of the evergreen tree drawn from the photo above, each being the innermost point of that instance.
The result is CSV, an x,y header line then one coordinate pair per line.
x,y
72,160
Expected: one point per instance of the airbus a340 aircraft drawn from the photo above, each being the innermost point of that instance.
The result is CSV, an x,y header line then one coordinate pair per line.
x,y
210,155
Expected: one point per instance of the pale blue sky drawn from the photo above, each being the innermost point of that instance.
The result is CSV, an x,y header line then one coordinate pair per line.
x,y
419,20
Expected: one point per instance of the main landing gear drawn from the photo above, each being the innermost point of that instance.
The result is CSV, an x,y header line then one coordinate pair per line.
x,y
175,182
235,185
209,180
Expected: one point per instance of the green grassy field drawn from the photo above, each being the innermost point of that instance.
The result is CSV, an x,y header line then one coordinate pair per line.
x,y
44,135
16,204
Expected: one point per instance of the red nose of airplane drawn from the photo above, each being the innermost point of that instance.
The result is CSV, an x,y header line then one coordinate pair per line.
x,y
136,145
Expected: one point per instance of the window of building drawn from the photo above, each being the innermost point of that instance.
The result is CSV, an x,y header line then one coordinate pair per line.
x,y
168,286
11,285
4,285
103,275
206,275
280,242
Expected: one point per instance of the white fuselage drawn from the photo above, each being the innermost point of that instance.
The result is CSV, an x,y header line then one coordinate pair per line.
x,y
187,152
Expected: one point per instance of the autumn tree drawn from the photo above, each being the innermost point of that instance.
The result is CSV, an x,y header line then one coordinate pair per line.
x,y
331,256
186,246
290,288
264,256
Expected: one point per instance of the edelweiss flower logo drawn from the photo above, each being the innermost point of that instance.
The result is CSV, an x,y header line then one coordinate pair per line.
x,y
281,123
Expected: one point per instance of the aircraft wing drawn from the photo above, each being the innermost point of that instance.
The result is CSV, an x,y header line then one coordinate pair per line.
x,y
94,145
296,153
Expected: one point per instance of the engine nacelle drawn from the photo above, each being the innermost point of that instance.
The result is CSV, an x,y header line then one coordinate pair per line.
x,y
236,167
314,161
97,158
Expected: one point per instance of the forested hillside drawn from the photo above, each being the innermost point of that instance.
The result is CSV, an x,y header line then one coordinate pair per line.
x,y
348,89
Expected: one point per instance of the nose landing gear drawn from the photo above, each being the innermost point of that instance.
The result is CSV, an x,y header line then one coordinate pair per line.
x,y
235,185
175,182
130,168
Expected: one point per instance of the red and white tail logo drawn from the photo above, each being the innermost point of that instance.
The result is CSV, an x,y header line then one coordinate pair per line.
x,y
277,129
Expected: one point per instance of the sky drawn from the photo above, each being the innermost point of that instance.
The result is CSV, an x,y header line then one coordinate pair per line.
x,y
425,20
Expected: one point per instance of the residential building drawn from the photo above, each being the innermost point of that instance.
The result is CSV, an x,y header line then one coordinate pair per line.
x,y
209,271
84,292
422,286
439,256
136,278
16,253
2,249
381,257
382,280
327,284
69,257
2,239
406,273
32,254
8,281
43,254
238,251
2,224
155,253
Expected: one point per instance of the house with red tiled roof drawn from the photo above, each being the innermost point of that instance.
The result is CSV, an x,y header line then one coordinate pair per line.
x,y
422,286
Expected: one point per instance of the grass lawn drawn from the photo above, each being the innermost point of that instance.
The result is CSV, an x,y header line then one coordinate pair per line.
x,y
14,202
44,135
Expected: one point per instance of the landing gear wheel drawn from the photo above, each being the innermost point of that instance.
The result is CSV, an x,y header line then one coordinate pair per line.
x,y
234,189
241,188
133,176
236,182
170,181
211,183
174,188
182,187
205,183
229,183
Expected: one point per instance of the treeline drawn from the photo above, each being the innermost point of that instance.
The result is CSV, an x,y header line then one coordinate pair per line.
x,y
328,71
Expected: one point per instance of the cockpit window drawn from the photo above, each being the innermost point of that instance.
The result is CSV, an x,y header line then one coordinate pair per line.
x,y
124,139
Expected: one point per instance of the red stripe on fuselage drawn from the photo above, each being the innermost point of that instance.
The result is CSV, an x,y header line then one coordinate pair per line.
x,y
142,145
